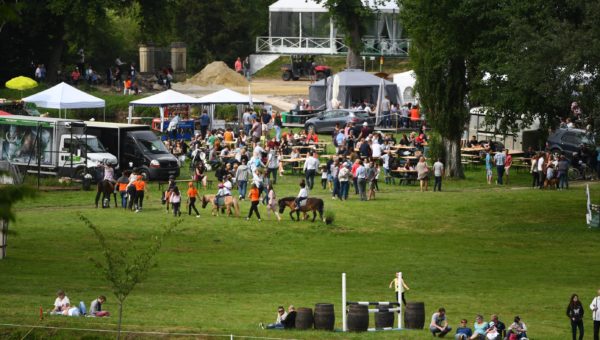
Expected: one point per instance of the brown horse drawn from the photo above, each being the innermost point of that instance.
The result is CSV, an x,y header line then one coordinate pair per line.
x,y
312,204
230,202
104,189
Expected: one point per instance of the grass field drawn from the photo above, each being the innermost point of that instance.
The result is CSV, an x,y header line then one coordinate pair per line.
x,y
472,249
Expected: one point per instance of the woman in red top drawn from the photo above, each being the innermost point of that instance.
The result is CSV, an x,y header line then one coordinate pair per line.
x,y
254,196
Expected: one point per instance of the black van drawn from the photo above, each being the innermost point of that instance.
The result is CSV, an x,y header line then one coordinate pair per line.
x,y
136,146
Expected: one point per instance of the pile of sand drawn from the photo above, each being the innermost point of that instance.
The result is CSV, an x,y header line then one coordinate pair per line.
x,y
217,73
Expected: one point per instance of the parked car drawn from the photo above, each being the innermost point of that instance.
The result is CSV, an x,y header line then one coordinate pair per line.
x,y
326,120
568,141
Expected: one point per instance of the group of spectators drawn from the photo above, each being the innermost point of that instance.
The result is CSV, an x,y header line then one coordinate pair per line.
x,y
482,330
62,306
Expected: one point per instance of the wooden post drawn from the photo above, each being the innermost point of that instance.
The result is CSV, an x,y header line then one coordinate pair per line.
x,y
3,237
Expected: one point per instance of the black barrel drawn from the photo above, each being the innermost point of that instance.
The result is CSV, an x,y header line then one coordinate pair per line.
x,y
384,318
358,318
304,318
414,315
324,316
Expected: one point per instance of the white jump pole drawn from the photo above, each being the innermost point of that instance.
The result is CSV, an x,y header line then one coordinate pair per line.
x,y
400,291
344,319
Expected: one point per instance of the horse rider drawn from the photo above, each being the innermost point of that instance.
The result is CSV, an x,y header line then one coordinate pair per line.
x,y
302,195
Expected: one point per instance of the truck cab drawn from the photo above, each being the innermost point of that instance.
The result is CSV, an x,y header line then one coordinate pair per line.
x,y
83,151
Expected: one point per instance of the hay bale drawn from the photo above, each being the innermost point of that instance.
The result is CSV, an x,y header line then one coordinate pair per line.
x,y
217,73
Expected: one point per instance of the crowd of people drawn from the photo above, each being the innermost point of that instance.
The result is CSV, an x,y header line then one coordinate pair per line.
x,y
482,330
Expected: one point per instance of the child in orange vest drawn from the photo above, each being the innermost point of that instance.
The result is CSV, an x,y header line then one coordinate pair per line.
x,y
192,194
140,188
254,196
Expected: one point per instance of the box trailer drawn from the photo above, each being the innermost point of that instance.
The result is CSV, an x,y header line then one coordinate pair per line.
x,y
50,146
136,146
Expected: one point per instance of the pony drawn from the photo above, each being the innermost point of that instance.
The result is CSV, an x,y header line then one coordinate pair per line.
x,y
312,204
230,202
104,189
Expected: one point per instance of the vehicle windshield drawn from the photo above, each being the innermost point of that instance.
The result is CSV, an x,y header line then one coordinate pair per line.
x,y
89,143
361,114
149,142
587,139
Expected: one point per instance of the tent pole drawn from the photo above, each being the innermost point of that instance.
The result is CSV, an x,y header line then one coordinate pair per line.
x,y
104,114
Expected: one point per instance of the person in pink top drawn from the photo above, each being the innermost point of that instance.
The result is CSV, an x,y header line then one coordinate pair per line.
x,y
354,178
507,164
238,65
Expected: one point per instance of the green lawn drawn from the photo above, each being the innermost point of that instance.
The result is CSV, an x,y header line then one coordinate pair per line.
x,y
472,249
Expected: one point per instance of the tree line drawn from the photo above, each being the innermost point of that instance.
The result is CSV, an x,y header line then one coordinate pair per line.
x,y
51,32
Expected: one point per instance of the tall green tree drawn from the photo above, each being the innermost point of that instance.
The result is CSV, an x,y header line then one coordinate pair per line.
x,y
350,17
542,56
443,35
220,30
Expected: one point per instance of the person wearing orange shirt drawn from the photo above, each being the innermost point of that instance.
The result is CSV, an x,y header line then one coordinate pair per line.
x,y
122,187
415,114
192,194
238,66
127,86
140,188
228,135
254,196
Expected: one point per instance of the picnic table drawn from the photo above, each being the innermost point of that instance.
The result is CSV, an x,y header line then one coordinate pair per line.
x,y
406,176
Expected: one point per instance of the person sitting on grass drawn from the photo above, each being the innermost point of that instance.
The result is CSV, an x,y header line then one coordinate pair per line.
x,y
517,330
284,320
439,324
463,332
479,328
500,327
61,304
96,307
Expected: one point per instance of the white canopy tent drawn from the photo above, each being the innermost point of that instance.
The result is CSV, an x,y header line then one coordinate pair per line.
x,y
64,96
227,96
166,98
406,86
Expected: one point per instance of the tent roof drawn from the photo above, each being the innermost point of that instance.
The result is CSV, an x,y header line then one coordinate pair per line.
x,y
168,97
227,96
64,96
312,6
405,79
354,78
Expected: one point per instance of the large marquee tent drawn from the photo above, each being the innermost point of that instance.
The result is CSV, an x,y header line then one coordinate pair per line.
x,y
348,87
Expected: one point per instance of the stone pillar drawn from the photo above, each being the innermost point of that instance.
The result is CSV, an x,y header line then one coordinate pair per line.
x,y
178,57
147,60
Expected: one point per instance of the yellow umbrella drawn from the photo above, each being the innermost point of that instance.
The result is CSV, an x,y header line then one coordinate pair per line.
x,y
21,83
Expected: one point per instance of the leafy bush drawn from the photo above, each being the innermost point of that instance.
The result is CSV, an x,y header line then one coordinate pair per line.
x,y
226,112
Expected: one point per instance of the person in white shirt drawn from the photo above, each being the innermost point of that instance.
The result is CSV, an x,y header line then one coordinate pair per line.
x,y
281,315
375,149
310,169
438,171
595,307
302,195
61,304
540,167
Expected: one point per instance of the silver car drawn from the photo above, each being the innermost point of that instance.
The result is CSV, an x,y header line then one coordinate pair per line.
x,y
325,121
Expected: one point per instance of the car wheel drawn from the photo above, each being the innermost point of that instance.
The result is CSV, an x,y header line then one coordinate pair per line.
x,y
311,127
286,76
573,174
79,173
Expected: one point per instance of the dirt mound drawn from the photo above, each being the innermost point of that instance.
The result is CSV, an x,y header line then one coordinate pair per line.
x,y
217,73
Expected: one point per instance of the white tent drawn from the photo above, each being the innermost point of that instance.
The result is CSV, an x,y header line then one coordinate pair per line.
x,y
406,86
227,96
165,98
64,96
312,6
